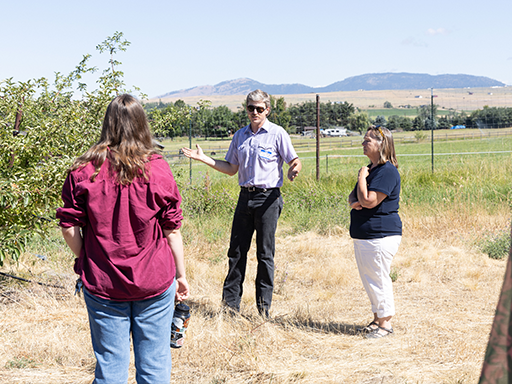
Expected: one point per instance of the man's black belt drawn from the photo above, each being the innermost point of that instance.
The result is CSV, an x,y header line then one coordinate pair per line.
x,y
256,189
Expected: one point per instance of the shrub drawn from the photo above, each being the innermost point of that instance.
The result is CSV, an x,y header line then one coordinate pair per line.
x,y
394,274
497,246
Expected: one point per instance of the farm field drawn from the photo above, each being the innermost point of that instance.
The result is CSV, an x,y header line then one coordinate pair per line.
x,y
458,99
446,288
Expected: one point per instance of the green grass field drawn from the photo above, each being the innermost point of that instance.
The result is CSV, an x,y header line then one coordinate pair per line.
x,y
451,148
470,173
407,112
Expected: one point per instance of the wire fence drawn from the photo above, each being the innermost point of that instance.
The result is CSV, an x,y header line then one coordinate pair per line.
x,y
305,144
308,145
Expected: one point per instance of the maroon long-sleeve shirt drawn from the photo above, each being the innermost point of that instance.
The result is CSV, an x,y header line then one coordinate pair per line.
x,y
125,255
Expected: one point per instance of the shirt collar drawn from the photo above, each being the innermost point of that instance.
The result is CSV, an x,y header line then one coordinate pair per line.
x,y
265,127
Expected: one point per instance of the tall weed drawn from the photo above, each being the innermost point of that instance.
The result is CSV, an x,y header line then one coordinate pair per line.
x,y
318,206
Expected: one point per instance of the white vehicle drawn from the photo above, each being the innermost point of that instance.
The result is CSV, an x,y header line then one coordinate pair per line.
x,y
335,132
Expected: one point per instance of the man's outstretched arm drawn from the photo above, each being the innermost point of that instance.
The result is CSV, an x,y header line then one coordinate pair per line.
x,y
219,165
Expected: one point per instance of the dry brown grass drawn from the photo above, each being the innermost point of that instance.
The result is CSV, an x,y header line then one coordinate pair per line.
x,y
456,98
445,297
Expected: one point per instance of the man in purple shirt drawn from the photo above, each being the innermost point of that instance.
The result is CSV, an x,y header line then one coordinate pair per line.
x,y
257,152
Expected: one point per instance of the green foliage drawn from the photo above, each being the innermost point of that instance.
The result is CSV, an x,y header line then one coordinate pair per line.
x,y
358,122
205,198
278,112
331,114
42,129
220,122
321,207
490,117
418,124
380,120
443,123
497,246
387,104
170,121
420,135
396,122
394,274
21,363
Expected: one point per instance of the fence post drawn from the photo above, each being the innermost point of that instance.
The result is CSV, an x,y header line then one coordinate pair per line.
x,y
326,163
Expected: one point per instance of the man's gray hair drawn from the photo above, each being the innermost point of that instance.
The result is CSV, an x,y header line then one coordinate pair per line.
x,y
259,96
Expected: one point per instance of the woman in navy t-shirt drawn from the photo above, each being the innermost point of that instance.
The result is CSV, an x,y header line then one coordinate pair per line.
x,y
376,227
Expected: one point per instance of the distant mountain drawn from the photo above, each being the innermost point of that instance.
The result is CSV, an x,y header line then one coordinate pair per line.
x,y
240,87
388,81
368,82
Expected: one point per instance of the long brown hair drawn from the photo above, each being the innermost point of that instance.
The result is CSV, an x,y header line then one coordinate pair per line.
x,y
125,140
387,146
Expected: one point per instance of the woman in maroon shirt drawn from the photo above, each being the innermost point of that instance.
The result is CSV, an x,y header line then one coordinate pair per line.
x,y
122,218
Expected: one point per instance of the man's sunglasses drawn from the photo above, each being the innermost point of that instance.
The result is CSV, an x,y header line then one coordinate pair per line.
x,y
251,108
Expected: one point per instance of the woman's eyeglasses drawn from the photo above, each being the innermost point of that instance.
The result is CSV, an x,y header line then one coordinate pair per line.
x,y
251,108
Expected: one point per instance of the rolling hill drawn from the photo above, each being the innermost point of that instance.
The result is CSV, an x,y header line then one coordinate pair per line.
x,y
368,82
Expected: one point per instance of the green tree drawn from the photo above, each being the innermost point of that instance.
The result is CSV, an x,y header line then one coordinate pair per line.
x,y
331,114
418,124
387,104
112,77
278,112
396,122
443,123
380,120
43,127
405,123
201,118
240,118
393,123
222,122
168,122
358,122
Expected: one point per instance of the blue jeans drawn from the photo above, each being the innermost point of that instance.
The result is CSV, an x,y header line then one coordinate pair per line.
x,y
256,211
148,321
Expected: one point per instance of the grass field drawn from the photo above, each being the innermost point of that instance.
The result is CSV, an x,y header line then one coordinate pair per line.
x,y
407,112
458,99
446,288
413,148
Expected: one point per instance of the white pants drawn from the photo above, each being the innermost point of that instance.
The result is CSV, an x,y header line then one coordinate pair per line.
x,y
373,259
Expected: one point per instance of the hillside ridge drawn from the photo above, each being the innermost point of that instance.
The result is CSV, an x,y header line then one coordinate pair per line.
x,y
367,82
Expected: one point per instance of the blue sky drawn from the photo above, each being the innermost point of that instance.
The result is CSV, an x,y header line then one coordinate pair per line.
x,y
182,44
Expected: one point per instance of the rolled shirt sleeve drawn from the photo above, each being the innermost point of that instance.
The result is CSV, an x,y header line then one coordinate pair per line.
x,y
125,254
73,213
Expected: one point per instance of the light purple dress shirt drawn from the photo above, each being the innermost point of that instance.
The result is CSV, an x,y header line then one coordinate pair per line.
x,y
260,155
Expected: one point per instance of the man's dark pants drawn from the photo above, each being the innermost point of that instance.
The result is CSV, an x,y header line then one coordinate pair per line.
x,y
256,211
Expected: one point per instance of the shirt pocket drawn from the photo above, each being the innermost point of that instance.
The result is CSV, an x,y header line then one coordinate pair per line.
x,y
267,153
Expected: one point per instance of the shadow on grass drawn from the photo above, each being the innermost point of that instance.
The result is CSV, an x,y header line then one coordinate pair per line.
x,y
209,310
320,326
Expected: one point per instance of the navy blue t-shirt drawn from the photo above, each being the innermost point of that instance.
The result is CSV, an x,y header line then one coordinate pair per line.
x,y
382,220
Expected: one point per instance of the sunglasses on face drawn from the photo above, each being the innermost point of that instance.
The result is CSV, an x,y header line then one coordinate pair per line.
x,y
251,108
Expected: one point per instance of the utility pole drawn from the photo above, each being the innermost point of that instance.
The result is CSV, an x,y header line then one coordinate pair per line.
x,y
317,137
190,142
432,124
